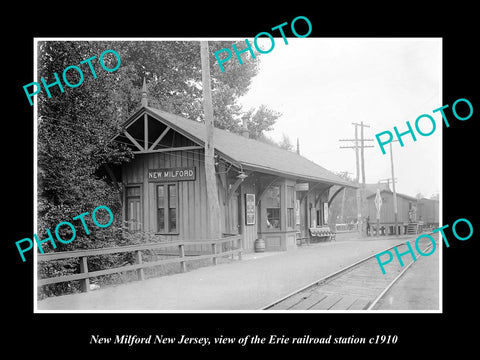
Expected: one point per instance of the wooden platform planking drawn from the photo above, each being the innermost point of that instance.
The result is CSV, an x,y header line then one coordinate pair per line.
x,y
290,301
310,301
360,304
344,303
326,303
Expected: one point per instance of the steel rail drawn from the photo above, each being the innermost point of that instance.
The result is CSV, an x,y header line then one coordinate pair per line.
x,y
377,299
342,271
327,277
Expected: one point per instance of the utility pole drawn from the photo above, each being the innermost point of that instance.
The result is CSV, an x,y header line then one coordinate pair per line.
x,y
395,211
361,201
342,213
387,181
358,198
213,204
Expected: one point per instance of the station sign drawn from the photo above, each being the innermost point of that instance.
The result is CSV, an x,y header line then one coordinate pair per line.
x,y
301,187
171,174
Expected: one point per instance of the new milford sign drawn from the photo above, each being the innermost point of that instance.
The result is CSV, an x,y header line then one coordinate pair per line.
x,y
172,174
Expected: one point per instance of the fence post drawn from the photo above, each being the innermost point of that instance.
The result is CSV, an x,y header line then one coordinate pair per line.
x,y
138,260
183,265
214,252
84,283
239,241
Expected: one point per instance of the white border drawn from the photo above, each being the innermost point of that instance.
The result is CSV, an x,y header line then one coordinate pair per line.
x,y
290,312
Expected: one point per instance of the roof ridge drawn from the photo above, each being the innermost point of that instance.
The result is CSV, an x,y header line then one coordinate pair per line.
x,y
237,147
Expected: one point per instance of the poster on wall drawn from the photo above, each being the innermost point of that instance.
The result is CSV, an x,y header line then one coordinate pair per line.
x,y
250,209
325,213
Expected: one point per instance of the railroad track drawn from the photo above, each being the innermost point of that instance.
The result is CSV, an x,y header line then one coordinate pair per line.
x,y
356,287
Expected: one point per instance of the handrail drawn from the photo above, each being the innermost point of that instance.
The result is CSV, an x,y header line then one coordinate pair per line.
x,y
139,265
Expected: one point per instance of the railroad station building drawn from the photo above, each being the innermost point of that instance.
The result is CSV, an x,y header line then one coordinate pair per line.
x,y
265,192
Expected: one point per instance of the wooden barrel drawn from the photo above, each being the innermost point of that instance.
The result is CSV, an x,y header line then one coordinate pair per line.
x,y
259,245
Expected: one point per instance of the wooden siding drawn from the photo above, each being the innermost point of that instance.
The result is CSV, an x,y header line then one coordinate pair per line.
x,y
386,211
428,211
192,217
192,209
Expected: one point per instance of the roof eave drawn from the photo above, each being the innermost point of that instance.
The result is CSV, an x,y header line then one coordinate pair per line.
x,y
254,167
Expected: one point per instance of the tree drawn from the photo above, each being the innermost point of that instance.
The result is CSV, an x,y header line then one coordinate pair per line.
x,y
73,132
76,125
260,120
285,143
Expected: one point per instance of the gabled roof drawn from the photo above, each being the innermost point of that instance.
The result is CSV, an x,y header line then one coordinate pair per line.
x,y
249,153
372,188
410,198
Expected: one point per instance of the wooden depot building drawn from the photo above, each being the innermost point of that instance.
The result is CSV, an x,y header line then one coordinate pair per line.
x,y
265,192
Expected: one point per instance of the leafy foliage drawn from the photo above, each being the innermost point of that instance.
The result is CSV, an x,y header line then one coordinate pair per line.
x,y
76,125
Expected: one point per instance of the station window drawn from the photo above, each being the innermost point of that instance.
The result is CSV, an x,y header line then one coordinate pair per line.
x,y
272,205
133,209
167,203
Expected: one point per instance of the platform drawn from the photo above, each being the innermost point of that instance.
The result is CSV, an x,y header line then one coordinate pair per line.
x,y
249,284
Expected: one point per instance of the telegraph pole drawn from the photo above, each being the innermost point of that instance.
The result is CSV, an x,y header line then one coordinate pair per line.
x,y
360,192
387,181
214,228
395,211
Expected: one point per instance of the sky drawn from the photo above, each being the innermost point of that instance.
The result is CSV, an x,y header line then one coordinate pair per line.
x,y
322,85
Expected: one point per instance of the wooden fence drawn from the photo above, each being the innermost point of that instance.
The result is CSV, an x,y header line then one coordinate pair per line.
x,y
83,255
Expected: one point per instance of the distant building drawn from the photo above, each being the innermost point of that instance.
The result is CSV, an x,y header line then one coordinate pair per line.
x,y
428,212
407,212
372,188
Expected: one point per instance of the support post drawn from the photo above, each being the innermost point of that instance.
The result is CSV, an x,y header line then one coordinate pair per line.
x,y
239,242
183,265
214,252
138,260
85,283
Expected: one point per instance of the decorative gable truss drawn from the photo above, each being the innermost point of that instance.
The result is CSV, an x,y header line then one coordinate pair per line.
x,y
147,134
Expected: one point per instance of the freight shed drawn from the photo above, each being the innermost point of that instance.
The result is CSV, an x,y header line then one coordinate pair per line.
x,y
407,213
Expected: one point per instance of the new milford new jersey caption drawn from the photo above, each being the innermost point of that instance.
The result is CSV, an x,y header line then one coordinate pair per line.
x,y
131,340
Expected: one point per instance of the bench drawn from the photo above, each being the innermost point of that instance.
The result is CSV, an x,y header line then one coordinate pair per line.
x,y
322,232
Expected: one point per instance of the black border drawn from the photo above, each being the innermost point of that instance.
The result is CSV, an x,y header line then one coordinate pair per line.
x,y
61,335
